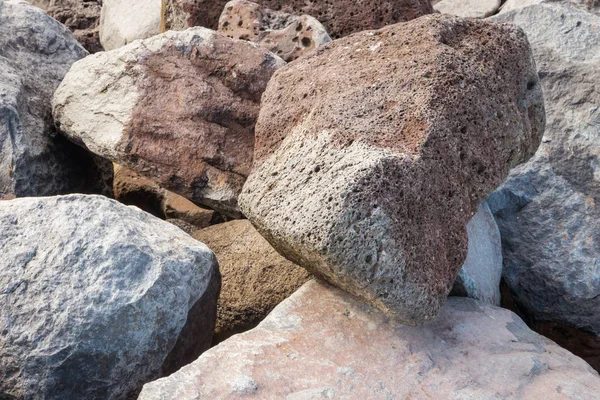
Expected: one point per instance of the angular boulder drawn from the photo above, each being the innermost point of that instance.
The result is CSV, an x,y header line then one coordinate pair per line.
x,y
255,277
480,275
340,17
97,298
123,21
36,52
548,210
288,36
179,108
373,153
324,343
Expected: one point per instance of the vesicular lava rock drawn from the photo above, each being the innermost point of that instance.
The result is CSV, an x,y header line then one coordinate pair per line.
x,y
179,108
97,298
374,151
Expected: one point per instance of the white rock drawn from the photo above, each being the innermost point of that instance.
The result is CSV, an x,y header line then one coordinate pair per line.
x,y
123,21
468,8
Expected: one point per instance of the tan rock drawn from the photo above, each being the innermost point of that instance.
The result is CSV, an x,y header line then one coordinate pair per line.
x,y
255,278
288,36
324,343
123,21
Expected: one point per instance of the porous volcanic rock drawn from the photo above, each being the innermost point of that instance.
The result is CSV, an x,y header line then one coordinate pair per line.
x,y
340,17
255,277
97,298
123,21
373,153
35,54
179,108
548,210
480,275
323,343
288,36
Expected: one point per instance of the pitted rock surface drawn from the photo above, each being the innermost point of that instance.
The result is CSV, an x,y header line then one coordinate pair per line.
x,y
97,298
340,17
288,36
322,343
374,151
179,108
35,54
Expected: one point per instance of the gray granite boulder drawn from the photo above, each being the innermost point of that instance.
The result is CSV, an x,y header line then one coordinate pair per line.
x,y
97,298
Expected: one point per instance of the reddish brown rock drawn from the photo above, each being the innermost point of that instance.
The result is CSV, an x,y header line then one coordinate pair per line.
x,y
288,36
255,278
340,17
374,151
178,108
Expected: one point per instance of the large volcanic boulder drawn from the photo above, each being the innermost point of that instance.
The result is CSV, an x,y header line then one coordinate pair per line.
x,y
97,298
179,108
340,17
325,344
373,153
255,277
35,54
548,211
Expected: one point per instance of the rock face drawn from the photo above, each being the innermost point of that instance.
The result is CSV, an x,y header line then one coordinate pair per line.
x,y
367,172
123,21
480,275
548,209
179,108
340,17
109,299
324,343
288,36
82,17
255,277
469,8
35,54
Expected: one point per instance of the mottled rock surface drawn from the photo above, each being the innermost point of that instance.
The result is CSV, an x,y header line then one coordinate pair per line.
x,y
288,36
255,277
373,153
340,17
97,298
82,17
468,8
35,54
480,275
324,343
123,21
548,211
179,108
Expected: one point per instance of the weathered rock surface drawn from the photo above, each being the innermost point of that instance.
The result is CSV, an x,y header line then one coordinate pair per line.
x,y
109,299
340,17
548,209
35,53
288,36
324,343
480,275
372,154
255,278
133,189
179,108
82,17
592,6
123,21
468,8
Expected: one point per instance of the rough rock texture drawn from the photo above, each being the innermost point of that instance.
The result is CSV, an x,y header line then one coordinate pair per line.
x,y
480,275
548,211
35,53
468,8
288,36
255,277
82,17
179,108
109,299
340,17
323,343
373,153
123,21
592,6
133,189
